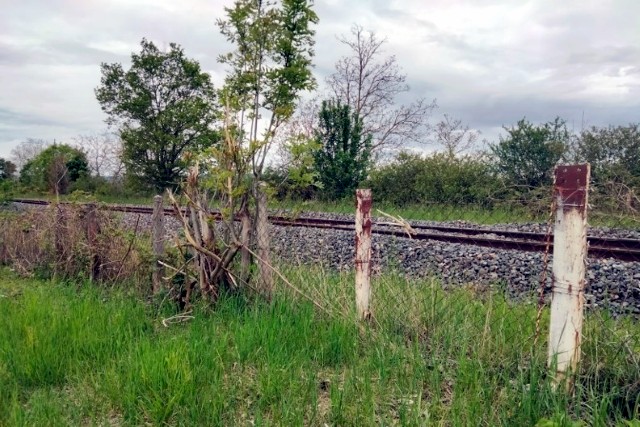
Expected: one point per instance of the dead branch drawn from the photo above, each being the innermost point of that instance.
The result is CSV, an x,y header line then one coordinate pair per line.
x,y
289,284
398,222
178,318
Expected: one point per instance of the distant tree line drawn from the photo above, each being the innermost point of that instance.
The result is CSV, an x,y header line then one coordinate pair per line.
x,y
164,113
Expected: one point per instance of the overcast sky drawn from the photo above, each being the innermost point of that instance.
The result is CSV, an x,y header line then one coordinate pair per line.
x,y
489,63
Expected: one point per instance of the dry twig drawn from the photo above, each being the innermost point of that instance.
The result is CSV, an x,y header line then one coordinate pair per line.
x,y
398,222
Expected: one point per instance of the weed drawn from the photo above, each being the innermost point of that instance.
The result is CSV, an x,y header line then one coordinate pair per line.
x,y
74,355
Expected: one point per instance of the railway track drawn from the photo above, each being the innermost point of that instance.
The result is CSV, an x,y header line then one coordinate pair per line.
x,y
600,247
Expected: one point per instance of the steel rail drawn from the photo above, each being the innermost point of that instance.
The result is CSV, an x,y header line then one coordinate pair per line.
x,y
600,247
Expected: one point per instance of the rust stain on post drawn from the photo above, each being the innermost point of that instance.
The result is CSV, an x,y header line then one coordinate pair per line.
x,y
572,184
569,255
363,253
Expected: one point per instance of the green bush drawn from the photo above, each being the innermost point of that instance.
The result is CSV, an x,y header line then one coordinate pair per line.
x,y
285,186
6,190
344,152
613,152
437,178
526,156
55,169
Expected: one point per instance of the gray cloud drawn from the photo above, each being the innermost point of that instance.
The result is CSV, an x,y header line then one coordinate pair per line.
x,y
15,119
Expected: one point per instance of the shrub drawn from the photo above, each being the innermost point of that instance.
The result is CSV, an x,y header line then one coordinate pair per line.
x,y
54,169
528,153
287,187
344,154
437,178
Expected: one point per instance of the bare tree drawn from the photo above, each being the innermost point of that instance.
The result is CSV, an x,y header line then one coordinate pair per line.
x,y
104,153
370,83
303,122
454,137
27,150
299,129
57,175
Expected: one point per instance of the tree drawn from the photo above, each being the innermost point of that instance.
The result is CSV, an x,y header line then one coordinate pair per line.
x,y
55,168
343,159
295,176
7,169
269,67
104,153
165,107
27,150
527,155
454,137
614,153
369,84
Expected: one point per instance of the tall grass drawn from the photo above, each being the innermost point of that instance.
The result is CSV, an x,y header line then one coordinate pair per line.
x,y
55,242
508,212
75,355
428,212
511,212
82,196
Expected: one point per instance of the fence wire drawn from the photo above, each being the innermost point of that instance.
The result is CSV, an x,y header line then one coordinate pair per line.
x,y
470,280
463,284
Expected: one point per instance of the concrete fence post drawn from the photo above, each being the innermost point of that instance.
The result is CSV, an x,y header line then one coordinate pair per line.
x,y
158,236
569,258
363,253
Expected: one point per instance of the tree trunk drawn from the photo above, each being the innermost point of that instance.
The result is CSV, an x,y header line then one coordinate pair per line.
x,y
265,279
245,239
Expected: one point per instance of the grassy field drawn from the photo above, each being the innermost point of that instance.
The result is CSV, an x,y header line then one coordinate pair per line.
x,y
512,214
434,212
418,212
87,197
71,354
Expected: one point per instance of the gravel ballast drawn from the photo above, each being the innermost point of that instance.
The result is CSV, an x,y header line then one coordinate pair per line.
x,y
610,283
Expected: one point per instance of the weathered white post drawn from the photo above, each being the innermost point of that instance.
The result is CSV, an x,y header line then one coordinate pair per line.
x,y
158,237
569,258
363,253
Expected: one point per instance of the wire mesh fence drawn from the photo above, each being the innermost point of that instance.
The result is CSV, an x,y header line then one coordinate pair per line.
x,y
468,286
74,240
489,279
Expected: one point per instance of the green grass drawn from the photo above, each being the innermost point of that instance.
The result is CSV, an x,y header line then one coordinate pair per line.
x,y
514,214
433,212
87,197
75,355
